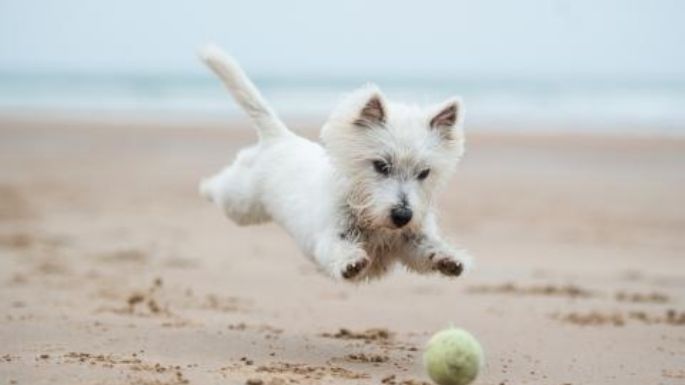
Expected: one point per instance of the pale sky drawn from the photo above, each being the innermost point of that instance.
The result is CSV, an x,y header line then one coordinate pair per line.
x,y
557,38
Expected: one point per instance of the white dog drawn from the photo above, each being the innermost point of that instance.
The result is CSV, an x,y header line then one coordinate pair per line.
x,y
363,201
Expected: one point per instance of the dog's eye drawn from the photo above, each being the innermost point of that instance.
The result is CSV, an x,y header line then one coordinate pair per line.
x,y
381,167
424,174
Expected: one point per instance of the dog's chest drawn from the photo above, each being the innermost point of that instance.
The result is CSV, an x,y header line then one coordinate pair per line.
x,y
383,250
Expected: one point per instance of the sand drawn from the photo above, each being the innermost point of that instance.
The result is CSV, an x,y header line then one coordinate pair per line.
x,y
114,271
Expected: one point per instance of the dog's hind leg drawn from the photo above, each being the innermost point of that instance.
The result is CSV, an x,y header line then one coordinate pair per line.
x,y
233,194
235,191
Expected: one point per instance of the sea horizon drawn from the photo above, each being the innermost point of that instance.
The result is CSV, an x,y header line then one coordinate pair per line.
x,y
583,104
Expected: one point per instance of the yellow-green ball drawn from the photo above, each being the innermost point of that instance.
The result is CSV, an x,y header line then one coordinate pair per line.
x,y
453,357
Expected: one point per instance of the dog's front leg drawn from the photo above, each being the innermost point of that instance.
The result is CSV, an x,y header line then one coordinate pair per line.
x,y
428,252
341,257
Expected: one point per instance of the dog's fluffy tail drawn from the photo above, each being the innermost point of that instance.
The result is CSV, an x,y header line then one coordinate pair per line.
x,y
243,91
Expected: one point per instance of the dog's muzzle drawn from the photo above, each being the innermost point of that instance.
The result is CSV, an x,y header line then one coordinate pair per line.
x,y
400,216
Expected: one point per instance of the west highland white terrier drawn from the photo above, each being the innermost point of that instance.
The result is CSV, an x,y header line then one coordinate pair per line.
x,y
363,201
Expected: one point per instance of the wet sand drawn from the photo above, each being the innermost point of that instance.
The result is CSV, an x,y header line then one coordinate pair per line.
x,y
114,271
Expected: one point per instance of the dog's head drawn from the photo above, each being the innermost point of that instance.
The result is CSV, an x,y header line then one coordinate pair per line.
x,y
392,156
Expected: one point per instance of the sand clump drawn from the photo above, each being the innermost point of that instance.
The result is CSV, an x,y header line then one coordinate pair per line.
x,y
8,358
367,358
148,299
275,373
393,380
171,374
653,297
619,318
124,256
368,335
569,290
310,371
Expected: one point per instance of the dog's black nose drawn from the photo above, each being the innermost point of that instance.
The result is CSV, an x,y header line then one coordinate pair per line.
x,y
400,216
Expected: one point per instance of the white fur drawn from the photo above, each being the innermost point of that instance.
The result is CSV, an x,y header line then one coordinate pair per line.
x,y
332,201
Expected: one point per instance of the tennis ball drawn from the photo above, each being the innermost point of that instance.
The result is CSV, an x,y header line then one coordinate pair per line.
x,y
453,357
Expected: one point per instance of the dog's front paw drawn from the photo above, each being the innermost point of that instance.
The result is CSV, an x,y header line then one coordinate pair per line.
x,y
450,262
449,266
342,260
352,264
353,269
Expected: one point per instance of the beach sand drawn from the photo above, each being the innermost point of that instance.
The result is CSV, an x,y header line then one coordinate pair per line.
x,y
114,271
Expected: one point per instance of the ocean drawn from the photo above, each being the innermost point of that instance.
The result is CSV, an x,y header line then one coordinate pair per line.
x,y
579,105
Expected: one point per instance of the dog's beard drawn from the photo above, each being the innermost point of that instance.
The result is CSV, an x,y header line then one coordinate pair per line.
x,y
364,215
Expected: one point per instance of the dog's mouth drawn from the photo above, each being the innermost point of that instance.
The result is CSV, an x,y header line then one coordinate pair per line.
x,y
409,227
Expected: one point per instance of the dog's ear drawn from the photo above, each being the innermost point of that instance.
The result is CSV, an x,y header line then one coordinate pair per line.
x,y
365,107
372,113
447,117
